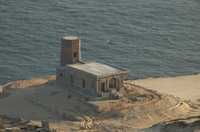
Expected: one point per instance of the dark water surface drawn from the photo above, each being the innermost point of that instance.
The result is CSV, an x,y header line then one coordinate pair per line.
x,y
148,37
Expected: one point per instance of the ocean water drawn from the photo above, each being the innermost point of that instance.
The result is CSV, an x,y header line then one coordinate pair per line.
x,y
148,37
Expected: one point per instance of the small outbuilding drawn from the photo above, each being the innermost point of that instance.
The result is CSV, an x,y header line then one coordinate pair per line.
x,y
89,78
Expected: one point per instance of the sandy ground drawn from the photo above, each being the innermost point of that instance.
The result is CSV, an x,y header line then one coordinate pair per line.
x,y
45,99
186,87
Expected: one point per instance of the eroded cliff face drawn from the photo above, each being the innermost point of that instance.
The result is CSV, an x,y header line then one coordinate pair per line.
x,y
68,110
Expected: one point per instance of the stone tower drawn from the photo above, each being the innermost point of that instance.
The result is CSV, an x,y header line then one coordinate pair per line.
x,y
70,50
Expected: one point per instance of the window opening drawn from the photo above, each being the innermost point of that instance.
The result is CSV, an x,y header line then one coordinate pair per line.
x,y
103,87
61,74
75,54
112,83
83,83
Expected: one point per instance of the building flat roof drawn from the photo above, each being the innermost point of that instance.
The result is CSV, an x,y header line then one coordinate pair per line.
x,y
97,69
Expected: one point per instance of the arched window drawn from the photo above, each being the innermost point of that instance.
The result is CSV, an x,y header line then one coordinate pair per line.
x,y
103,87
83,83
75,54
112,83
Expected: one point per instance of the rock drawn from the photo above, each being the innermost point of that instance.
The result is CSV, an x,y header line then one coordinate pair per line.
x,y
34,123
13,129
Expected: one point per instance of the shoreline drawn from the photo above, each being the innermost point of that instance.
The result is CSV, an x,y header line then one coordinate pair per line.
x,y
165,76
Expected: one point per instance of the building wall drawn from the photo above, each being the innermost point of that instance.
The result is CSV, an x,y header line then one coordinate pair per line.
x,y
73,78
92,83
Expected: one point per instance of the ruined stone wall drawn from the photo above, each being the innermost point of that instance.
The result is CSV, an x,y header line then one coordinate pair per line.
x,y
119,82
73,78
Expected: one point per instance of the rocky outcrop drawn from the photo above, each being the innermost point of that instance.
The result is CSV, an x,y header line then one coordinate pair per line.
x,y
8,124
20,84
191,124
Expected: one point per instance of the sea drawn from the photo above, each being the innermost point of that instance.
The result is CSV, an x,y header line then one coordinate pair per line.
x,y
150,38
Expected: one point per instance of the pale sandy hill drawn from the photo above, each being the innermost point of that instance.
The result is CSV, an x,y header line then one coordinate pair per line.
x,y
186,87
44,99
41,100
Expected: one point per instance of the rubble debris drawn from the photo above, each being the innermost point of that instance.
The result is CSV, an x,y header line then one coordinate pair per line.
x,y
8,124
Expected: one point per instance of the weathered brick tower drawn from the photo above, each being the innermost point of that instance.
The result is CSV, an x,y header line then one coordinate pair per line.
x,y
70,50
